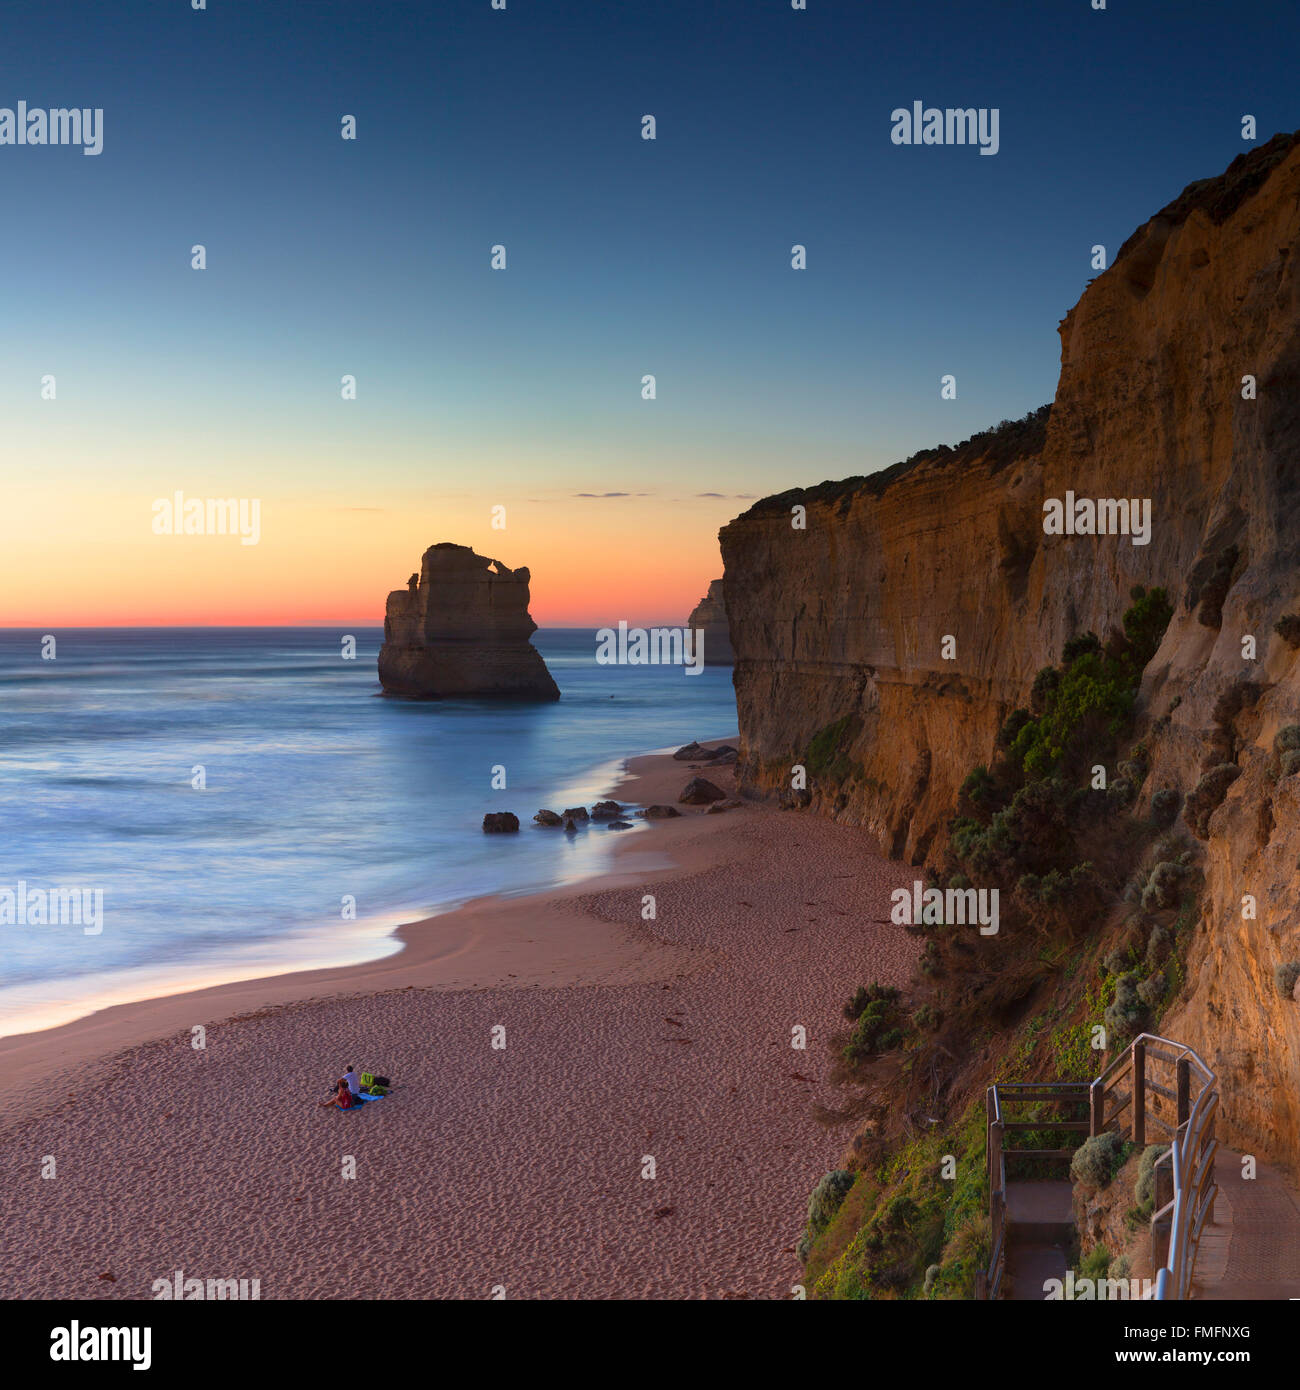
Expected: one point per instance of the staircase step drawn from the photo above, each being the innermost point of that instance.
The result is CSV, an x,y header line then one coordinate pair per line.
x,y
1039,1214
1025,1237
1030,1267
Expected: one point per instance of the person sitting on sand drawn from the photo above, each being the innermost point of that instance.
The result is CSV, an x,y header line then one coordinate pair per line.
x,y
343,1098
352,1079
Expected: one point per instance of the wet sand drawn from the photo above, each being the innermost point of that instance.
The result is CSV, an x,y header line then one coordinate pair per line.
x,y
632,1047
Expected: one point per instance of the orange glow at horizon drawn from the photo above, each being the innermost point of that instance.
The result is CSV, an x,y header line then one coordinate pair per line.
x,y
592,562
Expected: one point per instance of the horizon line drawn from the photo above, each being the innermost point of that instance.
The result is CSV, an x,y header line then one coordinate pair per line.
x,y
377,623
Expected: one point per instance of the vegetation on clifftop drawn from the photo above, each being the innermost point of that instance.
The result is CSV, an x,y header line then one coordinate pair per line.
x,y
1001,445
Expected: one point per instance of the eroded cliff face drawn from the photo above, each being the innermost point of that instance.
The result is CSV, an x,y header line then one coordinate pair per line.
x,y
461,628
839,628
710,617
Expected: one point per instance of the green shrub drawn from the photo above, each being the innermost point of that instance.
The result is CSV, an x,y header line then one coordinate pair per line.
x,y
1094,697
1044,686
1056,889
1089,699
872,994
1287,628
1034,831
1145,623
1285,976
1145,1190
1286,748
1126,1013
1159,945
980,790
1164,807
1016,721
1134,771
1121,1267
1120,793
1081,644
1136,886
826,1199
1097,1160
1117,961
1164,887
1094,1264
1152,990
877,1016
1207,796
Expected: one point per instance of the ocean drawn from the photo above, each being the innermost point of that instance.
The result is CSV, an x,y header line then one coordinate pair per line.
x,y
316,791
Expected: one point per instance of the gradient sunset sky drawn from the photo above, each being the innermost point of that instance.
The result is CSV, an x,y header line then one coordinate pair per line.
x,y
522,388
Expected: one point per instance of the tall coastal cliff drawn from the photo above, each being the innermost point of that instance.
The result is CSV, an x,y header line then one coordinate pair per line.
x,y
884,643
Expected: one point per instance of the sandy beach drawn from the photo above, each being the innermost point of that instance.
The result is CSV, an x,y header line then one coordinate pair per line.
x,y
631,1046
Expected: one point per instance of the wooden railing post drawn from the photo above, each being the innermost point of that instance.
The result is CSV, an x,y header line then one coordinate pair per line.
x,y
1184,1090
1097,1115
1139,1095
1163,1181
1159,1241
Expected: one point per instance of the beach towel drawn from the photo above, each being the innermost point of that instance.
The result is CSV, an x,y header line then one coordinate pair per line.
x,y
358,1101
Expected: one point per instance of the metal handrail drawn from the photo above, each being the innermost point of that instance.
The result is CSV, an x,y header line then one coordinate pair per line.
x,y
997,1195
1190,1156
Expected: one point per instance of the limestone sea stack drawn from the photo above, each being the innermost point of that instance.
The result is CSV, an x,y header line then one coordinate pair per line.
x,y
461,628
710,615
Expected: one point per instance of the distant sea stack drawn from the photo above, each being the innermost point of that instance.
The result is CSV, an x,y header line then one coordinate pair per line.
x,y
461,628
710,614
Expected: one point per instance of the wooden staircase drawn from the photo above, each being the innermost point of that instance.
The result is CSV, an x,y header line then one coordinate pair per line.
x,y
1040,1231
1032,1217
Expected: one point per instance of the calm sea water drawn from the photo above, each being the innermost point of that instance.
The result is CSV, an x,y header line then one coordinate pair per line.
x,y
317,789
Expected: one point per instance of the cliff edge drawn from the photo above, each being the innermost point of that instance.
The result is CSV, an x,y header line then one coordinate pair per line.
x,y
884,633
